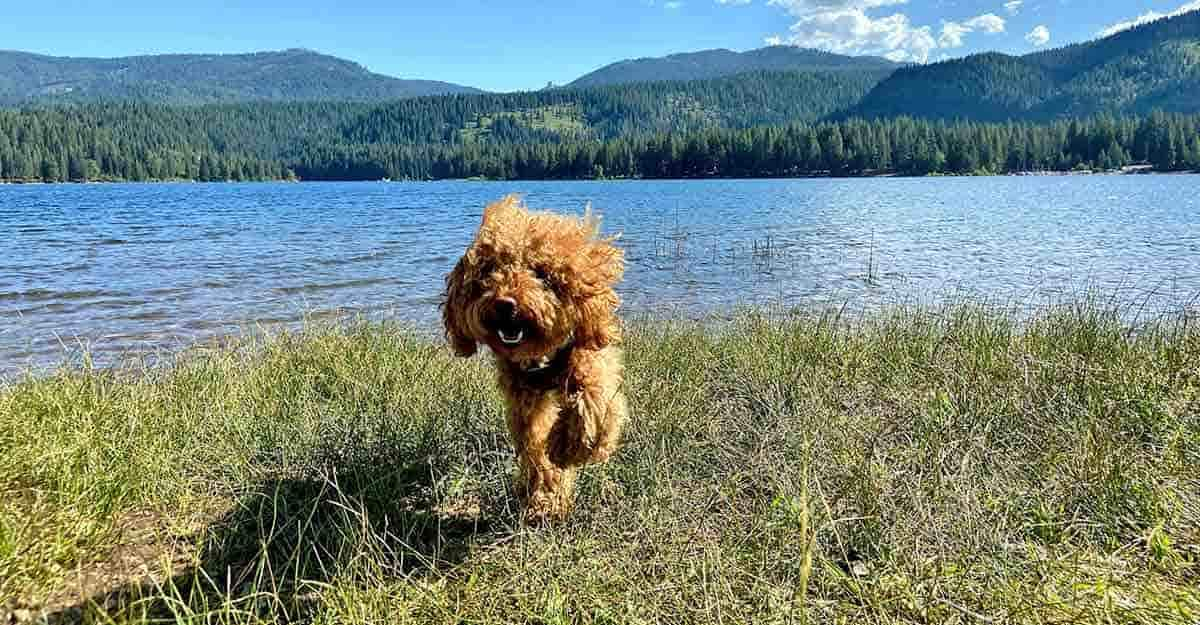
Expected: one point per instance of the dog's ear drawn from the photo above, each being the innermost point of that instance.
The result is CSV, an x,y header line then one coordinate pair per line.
x,y
454,306
597,271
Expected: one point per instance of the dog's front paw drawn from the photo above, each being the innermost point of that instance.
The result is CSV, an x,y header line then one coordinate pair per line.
x,y
545,508
571,440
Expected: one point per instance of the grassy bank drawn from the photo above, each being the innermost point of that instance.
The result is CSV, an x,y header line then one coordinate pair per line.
x,y
918,466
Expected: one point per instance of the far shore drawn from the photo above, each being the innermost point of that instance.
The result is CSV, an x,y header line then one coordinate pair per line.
x,y
1126,171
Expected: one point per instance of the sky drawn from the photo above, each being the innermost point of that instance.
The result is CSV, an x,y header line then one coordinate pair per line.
x,y
525,44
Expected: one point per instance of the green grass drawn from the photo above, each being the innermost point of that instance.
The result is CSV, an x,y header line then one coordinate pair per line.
x,y
918,466
564,119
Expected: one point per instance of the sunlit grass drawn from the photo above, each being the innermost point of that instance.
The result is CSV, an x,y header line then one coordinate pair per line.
x,y
565,120
914,466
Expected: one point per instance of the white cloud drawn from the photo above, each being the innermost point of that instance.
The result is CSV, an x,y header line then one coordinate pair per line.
x,y
734,2
672,5
1013,7
1039,36
774,40
806,7
988,23
952,32
852,31
1148,17
845,27
952,35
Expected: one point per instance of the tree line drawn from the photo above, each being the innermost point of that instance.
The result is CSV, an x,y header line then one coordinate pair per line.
x,y
323,142
250,141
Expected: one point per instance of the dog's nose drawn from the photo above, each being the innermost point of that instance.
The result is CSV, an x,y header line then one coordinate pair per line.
x,y
505,307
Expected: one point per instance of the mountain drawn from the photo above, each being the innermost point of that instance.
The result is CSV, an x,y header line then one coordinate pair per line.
x,y
290,75
1153,66
600,113
401,138
718,63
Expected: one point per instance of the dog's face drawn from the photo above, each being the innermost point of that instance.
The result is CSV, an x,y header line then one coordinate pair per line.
x,y
530,283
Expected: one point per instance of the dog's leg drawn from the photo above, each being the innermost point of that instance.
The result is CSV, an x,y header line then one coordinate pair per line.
x,y
609,430
594,410
547,487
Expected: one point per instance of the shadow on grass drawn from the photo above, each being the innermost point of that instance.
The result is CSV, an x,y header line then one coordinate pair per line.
x,y
350,520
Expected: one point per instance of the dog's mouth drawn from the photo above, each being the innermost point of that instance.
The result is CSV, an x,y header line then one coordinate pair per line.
x,y
511,332
511,338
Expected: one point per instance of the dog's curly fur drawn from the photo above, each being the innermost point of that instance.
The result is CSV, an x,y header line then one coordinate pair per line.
x,y
537,289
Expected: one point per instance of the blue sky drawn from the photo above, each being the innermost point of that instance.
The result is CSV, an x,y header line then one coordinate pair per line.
x,y
523,44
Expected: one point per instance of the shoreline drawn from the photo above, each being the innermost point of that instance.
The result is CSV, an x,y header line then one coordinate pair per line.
x,y
815,176
167,352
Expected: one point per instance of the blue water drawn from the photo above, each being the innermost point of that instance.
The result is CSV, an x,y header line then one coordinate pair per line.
x,y
155,267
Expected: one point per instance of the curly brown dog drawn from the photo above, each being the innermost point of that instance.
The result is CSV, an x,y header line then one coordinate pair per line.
x,y
537,289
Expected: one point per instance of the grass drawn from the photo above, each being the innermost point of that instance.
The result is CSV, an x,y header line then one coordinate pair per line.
x,y
949,465
561,119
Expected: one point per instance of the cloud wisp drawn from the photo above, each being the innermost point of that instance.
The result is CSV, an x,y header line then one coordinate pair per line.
x,y
953,32
1148,17
1039,36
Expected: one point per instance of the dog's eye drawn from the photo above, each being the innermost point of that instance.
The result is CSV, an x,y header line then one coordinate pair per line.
x,y
544,277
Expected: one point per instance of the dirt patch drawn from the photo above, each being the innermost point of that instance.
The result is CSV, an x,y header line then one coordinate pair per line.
x,y
150,547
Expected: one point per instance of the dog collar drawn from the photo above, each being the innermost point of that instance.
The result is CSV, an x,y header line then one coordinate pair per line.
x,y
545,362
546,373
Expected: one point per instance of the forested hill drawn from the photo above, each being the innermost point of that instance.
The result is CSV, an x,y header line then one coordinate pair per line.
x,y
761,123
718,63
118,138
1155,66
256,142
757,98
290,75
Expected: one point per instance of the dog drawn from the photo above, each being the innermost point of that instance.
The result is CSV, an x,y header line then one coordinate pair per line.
x,y
537,289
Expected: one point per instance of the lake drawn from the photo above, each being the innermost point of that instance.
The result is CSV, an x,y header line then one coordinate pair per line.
x,y
152,267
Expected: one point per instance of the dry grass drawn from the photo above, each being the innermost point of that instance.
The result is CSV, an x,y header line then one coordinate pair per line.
x,y
916,466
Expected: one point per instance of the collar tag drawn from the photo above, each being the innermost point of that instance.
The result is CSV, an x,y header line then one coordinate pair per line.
x,y
537,365
558,358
